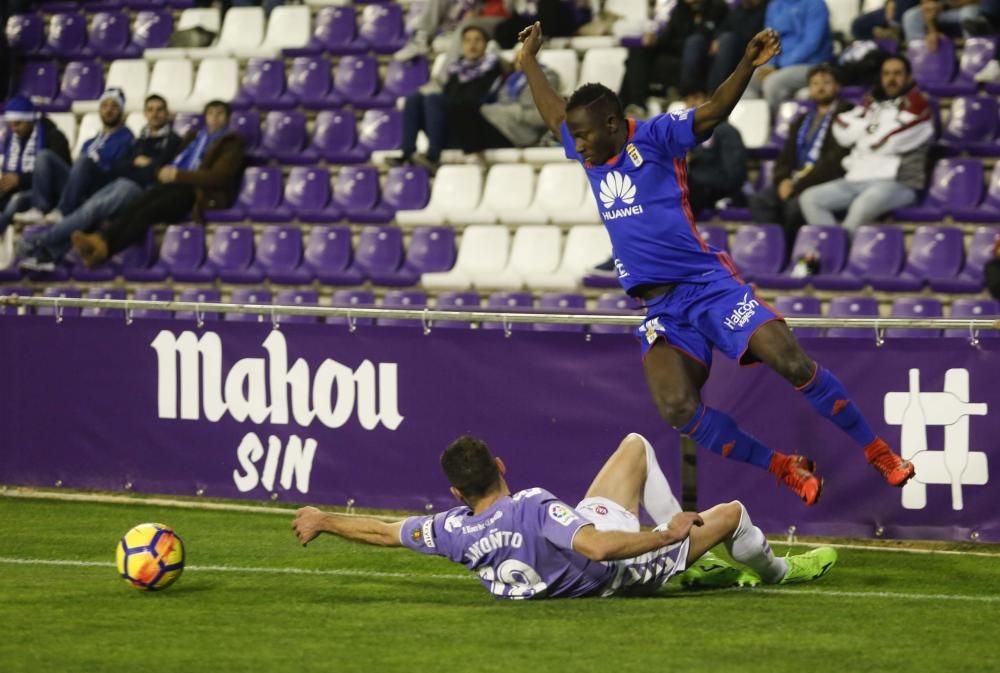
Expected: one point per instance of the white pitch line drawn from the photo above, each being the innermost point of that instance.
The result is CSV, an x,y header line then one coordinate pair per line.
x,y
345,572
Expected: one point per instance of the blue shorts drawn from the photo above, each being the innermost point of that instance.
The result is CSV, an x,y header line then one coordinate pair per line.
x,y
695,317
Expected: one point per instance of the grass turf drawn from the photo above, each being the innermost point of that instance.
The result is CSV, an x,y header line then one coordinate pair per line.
x,y
393,610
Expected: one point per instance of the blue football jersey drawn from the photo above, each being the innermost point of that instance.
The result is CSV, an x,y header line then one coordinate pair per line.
x,y
642,196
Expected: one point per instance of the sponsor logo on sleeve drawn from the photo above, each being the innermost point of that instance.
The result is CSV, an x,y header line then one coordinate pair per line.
x,y
562,514
633,154
428,533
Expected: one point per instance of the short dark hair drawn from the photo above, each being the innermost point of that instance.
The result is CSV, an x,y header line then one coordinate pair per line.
x,y
155,97
902,59
219,103
482,31
825,69
470,467
604,101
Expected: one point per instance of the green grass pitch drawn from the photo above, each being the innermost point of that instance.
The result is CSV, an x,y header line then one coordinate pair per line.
x,y
248,601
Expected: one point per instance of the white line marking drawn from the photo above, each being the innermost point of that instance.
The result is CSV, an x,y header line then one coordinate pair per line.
x,y
346,572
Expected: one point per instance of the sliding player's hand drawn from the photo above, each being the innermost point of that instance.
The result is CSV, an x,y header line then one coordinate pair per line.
x,y
764,46
307,524
682,523
531,38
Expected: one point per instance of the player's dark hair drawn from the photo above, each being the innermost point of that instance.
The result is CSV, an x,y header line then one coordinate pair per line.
x,y
155,97
219,103
599,98
470,467
902,59
826,69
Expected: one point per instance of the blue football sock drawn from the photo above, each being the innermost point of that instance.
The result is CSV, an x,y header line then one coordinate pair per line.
x,y
718,432
828,396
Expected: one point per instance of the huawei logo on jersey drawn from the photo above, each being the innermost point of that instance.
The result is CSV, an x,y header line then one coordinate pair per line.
x,y
617,187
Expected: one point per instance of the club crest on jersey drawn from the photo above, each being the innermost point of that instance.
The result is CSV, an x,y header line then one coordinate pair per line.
x,y
561,514
616,187
633,154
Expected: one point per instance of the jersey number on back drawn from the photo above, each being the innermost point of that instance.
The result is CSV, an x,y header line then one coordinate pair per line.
x,y
513,579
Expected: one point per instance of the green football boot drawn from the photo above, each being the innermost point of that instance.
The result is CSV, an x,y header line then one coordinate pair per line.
x,y
711,572
809,566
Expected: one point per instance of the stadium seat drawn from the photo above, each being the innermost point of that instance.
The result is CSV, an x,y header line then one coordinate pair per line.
x,y
217,79
131,76
852,307
970,278
972,126
135,121
402,78
877,252
284,137
242,33
788,112
67,35
566,64
208,18
297,298
335,140
432,249
586,246
715,235
509,302
976,53
535,251
172,78
616,302
263,86
402,299
191,122
357,193
346,298
90,126
561,302
39,81
62,293
110,34
182,254
288,27
231,254
260,192
82,80
379,251
915,307
935,252
249,295
800,307
329,257
605,66
484,249
752,118
103,293
758,250
335,32
456,301
25,33
152,294
955,183
457,188
150,30
509,188
830,243
201,295
978,309
380,130
355,80
311,84
562,194
932,68
381,28
247,124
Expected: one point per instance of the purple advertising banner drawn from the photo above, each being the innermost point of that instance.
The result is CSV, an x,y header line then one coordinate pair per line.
x,y
935,400
311,413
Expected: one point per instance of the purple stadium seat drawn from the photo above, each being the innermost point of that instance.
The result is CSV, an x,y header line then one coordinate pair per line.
x,y
379,250
308,195
248,295
335,139
406,188
976,53
247,124
150,30
381,28
512,302
357,194
81,80
852,307
381,130
61,292
231,254
970,278
989,210
915,307
979,309
263,86
311,83
345,298
110,34
260,193
617,303
356,81
972,126
932,67
877,252
830,243
329,256
297,298
152,294
153,4
25,32
335,32
279,255
39,81
715,235
561,302
201,295
402,299
104,293
284,137
802,306
431,249
758,249
935,253
186,122
955,183
136,258
457,301
67,36
403,78
181,255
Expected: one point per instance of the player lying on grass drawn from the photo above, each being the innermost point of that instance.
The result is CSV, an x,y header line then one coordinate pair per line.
x,y
695,300
531,545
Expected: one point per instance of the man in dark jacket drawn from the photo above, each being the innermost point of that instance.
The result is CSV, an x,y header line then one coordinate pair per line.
x,y
156,145
809,157
717,168
204,176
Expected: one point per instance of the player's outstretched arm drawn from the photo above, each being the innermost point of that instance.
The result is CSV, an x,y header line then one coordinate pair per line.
x,y
310,522
548,101
600,545
762,48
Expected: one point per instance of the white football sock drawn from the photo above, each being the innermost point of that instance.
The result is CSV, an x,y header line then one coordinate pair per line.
x,y
657,497
749,547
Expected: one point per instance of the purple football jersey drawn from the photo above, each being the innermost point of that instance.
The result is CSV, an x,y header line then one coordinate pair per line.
x,y
522,547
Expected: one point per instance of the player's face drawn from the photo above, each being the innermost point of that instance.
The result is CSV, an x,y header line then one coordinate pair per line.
x,y
823,88
594,136
894,77
473,45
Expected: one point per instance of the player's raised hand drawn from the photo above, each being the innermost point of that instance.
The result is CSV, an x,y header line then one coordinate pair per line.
x,y
764,46
531,38
682,523
308,524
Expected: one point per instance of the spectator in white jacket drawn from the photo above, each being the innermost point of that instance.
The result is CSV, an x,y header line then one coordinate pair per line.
x,y
889,134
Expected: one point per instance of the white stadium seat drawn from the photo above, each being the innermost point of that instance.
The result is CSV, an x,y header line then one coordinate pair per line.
x,y
535,251
587,245
171,78
65,122
218,79
129,74
208,18
606,66
484,248
842,14
566,63
509,187
752,118
287,27
633,16
456,188
587,42
543,155
90,126
562,195
242,29
135,121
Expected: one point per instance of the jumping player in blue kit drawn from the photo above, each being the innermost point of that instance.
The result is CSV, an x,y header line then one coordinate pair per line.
x,y
694,297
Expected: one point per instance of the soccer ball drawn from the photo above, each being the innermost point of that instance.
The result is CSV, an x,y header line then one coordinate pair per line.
x,y
150,556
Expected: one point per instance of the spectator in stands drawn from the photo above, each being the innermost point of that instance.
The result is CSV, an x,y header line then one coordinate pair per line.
x,y
992,272
451,17
717,167
156,145
716,58
931,18
205,175
890,135
561,18
58,188
804,28
810,156
438,110
30,135
512,120
882,23
672,56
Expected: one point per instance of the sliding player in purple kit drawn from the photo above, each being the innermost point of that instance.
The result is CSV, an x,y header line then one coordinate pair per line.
x,y
694,297
532,545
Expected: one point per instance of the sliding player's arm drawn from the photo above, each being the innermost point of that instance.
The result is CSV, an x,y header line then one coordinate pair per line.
x,y
600,545
310,522
762,48
550,104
